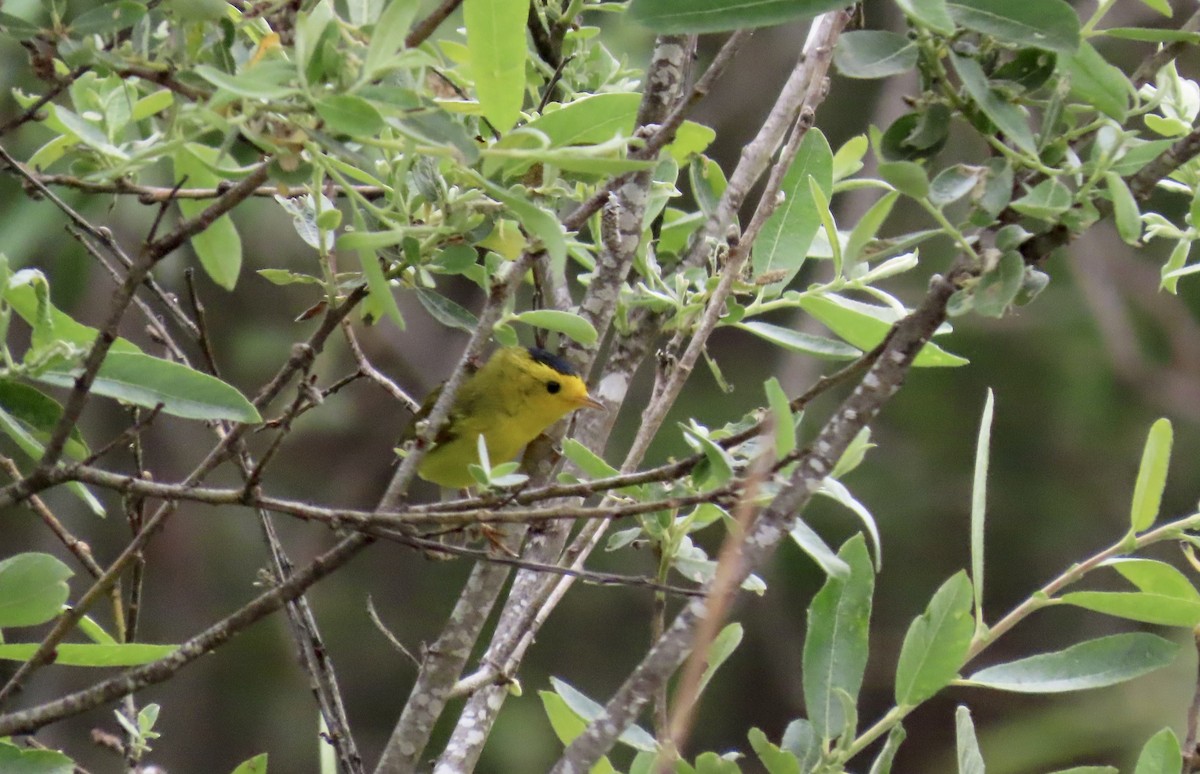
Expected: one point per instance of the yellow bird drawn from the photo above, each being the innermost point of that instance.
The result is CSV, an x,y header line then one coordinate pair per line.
x,y
517,394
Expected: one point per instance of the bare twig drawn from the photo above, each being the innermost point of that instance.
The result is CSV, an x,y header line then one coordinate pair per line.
x,y
877,387
134,680
665,131
81,550
1153,63
372,373
424,28
445,659
151,194
31,113
301,355
721,593
1191,751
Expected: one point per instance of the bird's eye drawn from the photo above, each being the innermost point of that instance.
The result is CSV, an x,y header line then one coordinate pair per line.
x,y
553,387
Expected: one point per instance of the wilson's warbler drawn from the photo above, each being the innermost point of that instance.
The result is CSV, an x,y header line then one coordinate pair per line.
x,y
517,394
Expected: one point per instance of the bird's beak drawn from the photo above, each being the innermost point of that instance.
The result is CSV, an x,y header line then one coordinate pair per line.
x,y
587,401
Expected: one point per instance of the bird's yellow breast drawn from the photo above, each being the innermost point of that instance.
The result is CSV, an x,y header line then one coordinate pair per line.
x,y
515,396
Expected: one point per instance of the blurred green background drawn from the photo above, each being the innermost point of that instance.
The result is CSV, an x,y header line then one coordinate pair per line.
x,y
1078,376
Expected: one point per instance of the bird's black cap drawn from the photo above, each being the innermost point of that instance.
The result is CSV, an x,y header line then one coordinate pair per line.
x,y
554,361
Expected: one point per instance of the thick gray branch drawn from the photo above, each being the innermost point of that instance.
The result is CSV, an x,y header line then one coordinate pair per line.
x,y
876,388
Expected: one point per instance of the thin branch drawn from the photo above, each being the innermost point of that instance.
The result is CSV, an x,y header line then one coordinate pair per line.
x,y
1191,752
726,580
365,368
667,74
879,384
133,680
151,194
591,577
301,355
665,131
31,113
81,550
424,28
444,661
1167,53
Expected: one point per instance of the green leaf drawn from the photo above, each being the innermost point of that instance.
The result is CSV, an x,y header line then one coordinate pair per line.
x,y
672,16
1153,34
1047,24
854,454
1161,6
883,761
1160,755
719,650
349,115
255,765
1138,154
152,104
837,491
1096,82
690,141
936,643
1138,606
908,177
147,381
998,289
33,589
812,544
368,260
800,739
566,323
587,709
865,326
835,646
18,761
775,760
1046,201
590,120
868,226
953,183
979,504
933,14
848,158
781,414
1125,209
799,341
874,54
536,220
1005,115
1092,664
38,415
17,28
1152,476
218,246
783,243
717,467
1165,595
32,443
272,79
496,42
108,18
446,311
592,464
1174,268
387,37
90,655
28,293
970,759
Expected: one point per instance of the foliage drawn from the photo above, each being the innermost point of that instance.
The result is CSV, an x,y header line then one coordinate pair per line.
x,y
516,154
